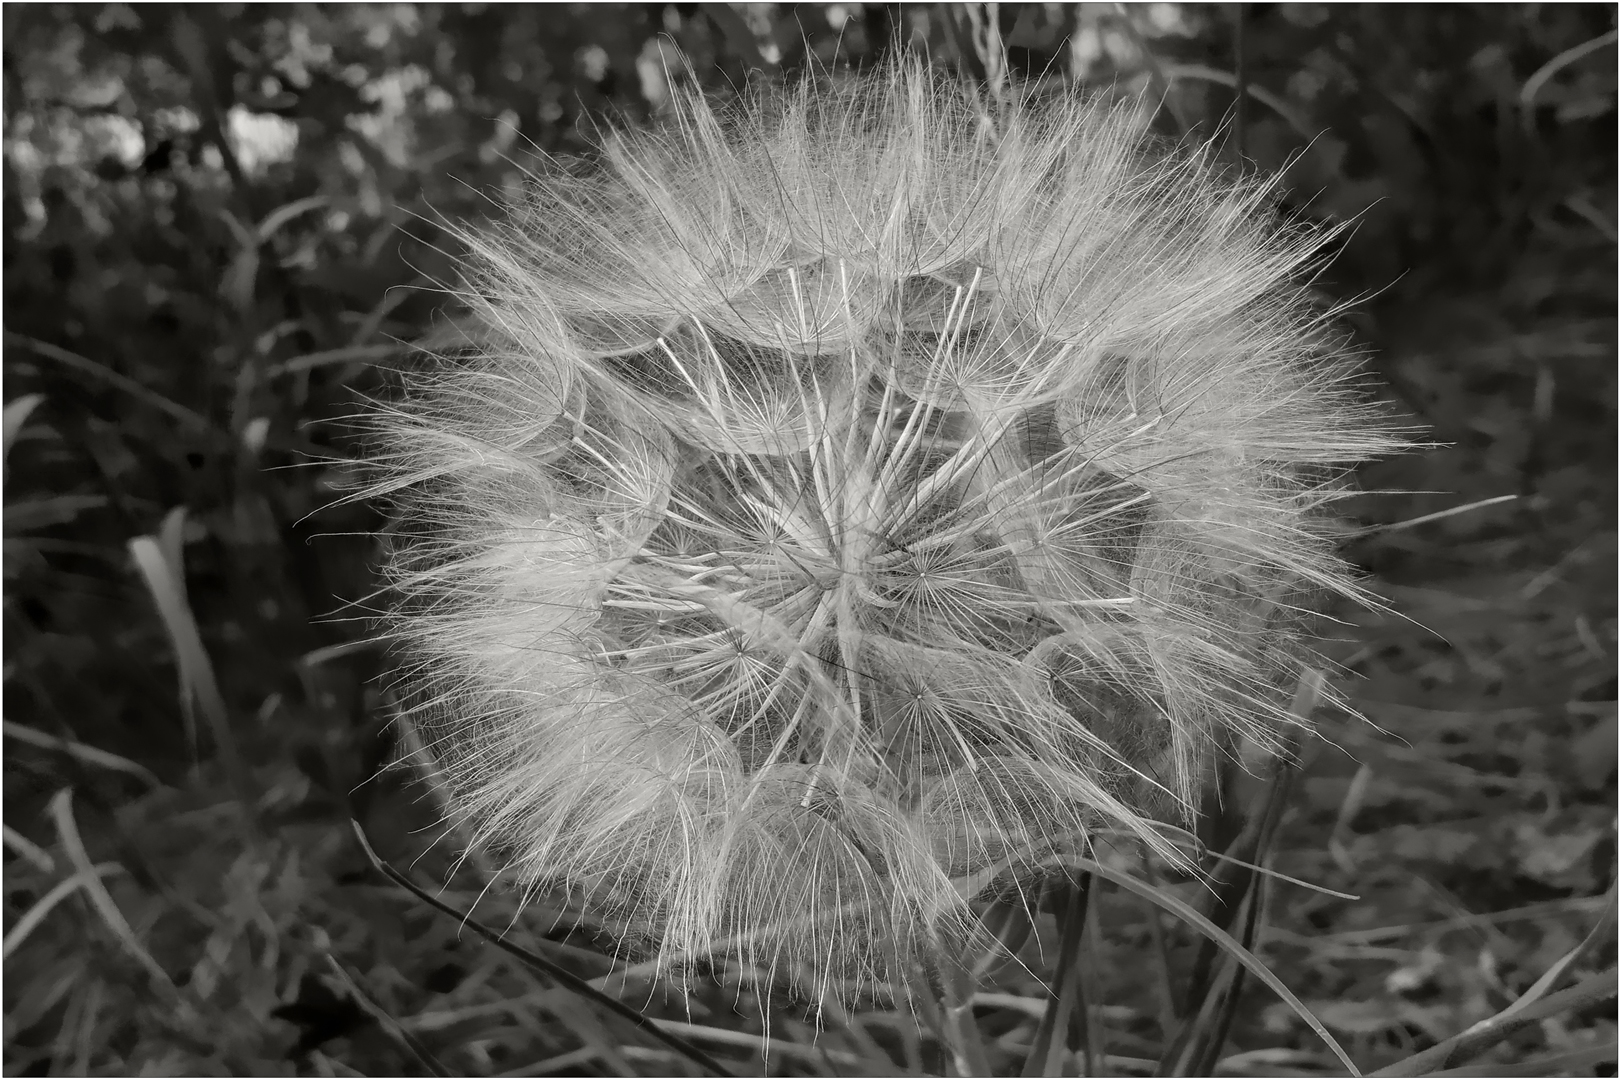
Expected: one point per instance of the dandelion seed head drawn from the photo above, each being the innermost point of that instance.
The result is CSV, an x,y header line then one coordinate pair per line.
x,y
848,497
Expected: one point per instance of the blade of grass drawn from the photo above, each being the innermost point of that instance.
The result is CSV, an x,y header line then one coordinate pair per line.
x,y
31,852
1093,1036
171,538
48,991
577,1016
1540,910
108,375
1532,85
1211,1033
59,892
1550,1065
1538,990
1006,920
1049,1049
67,831
943,999
957,1027
1459,1048
416,755
331,1066
281,215
739,36
413,1046
1227,884
763,1044
1159,80
561,1065
1181,1059
373,320
83,1038
1240,82
1184,911
1199,1044
345,355
1275,1058
543,1005
1220,1030
856,1035
542,965
1235,880
87,754
1203,73
11,424
926,1005
31,515
1172,1006
198,686
902,1023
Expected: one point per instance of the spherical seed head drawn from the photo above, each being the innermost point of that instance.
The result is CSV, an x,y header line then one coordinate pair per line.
x,y
853,499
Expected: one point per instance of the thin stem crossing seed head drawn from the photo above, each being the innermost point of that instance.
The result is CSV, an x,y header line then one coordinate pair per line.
x,y
855,497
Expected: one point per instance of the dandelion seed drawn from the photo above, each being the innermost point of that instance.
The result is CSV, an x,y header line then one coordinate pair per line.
x,y
845,500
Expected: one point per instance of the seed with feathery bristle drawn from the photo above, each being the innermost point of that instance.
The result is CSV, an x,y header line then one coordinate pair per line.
x,y
857,496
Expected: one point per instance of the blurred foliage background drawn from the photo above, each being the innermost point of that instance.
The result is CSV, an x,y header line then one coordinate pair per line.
x,y
224,222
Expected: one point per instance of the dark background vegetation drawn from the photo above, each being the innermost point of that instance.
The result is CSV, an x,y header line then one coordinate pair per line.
x,y
222,221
